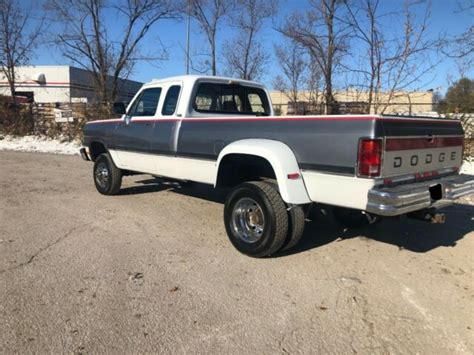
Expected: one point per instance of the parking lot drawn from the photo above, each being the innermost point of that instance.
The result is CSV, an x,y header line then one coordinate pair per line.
x,y
151,270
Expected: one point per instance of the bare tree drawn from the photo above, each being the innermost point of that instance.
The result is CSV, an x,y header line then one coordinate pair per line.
x,y
314,79
393,61
368,33
209,14
87,41
409,60
465,5
325,38
19,37
461,47
293,66
245,55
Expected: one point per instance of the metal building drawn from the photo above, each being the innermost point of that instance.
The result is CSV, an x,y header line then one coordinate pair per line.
x,y
61,83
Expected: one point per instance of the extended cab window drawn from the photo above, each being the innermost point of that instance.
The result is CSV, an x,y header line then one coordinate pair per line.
x,y
256,103
146,103
231,98
171,100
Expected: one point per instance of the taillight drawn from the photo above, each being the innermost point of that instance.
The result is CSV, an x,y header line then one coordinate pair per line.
x,y
369,157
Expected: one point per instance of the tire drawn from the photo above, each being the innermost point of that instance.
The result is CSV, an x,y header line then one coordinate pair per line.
x,y
256,219
296,224
107,177
350,218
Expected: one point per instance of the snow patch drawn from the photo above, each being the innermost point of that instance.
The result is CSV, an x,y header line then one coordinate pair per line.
x,y
39,144
468,167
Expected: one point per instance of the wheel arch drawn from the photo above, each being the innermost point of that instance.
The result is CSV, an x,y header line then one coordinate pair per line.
x,y
279,157
96,148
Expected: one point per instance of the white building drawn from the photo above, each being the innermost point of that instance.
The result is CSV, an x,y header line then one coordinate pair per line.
x,y
61,83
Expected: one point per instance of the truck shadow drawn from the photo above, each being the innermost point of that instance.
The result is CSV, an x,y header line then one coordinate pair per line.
x,y
149,186
405,233
322,228
192,189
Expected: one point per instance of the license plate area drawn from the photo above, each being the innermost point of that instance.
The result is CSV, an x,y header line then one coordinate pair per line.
x,y
436,192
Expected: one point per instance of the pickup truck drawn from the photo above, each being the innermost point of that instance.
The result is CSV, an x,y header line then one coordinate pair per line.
x,y
223,132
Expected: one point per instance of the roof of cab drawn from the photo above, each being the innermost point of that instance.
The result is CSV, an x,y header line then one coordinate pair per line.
x,y
191,79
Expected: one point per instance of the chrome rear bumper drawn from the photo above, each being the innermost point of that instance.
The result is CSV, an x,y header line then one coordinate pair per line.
x,y
397,200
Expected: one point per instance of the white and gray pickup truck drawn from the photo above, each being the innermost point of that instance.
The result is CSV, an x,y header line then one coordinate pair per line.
x,y
223,132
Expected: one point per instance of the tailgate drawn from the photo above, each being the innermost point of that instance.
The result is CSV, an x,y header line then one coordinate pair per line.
x,y
426,147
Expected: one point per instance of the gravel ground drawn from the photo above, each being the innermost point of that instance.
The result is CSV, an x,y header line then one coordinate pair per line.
x,y
151,270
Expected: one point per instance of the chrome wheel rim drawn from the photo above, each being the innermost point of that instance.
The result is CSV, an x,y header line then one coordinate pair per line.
x,y
102,175
248,220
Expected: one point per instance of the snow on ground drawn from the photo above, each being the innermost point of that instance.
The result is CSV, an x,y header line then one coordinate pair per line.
x,y
39,144
468,167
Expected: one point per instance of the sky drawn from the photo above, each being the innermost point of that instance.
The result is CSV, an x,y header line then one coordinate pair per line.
x,y
172,34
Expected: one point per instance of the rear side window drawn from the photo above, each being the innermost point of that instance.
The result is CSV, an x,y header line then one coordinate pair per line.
x,y
256,103
231,99
171,100
146,103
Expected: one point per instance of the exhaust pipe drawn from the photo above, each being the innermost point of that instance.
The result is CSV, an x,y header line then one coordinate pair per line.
x,y
428,216
371,218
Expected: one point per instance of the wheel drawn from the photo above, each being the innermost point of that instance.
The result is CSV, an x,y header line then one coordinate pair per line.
x,y
351,218
107,177
256,219
296,223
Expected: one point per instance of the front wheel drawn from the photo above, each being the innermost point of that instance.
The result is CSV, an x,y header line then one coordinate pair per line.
x,y
107,177
256,219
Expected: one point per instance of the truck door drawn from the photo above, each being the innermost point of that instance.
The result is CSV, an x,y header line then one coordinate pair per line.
x,y
165,131
133,134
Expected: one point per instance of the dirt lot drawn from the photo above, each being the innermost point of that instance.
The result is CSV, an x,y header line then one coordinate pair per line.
x,y
151,270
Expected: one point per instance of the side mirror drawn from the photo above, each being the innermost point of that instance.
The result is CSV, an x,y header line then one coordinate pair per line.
x,y
127,119
119,108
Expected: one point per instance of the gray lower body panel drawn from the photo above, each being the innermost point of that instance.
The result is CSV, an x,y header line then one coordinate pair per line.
x,y
394,201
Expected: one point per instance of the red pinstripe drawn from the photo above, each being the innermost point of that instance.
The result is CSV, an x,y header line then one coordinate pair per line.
x,y
294,118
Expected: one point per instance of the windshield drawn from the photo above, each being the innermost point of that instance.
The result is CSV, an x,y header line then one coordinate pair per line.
x,y
231,99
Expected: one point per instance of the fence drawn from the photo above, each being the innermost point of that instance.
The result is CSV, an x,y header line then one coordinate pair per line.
x,y
352,107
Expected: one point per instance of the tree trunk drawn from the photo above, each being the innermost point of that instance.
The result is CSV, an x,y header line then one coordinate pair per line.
x,y
329,98
213,55
9,73
11,84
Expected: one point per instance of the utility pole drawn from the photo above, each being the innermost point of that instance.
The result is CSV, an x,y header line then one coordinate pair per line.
x,y
188,28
